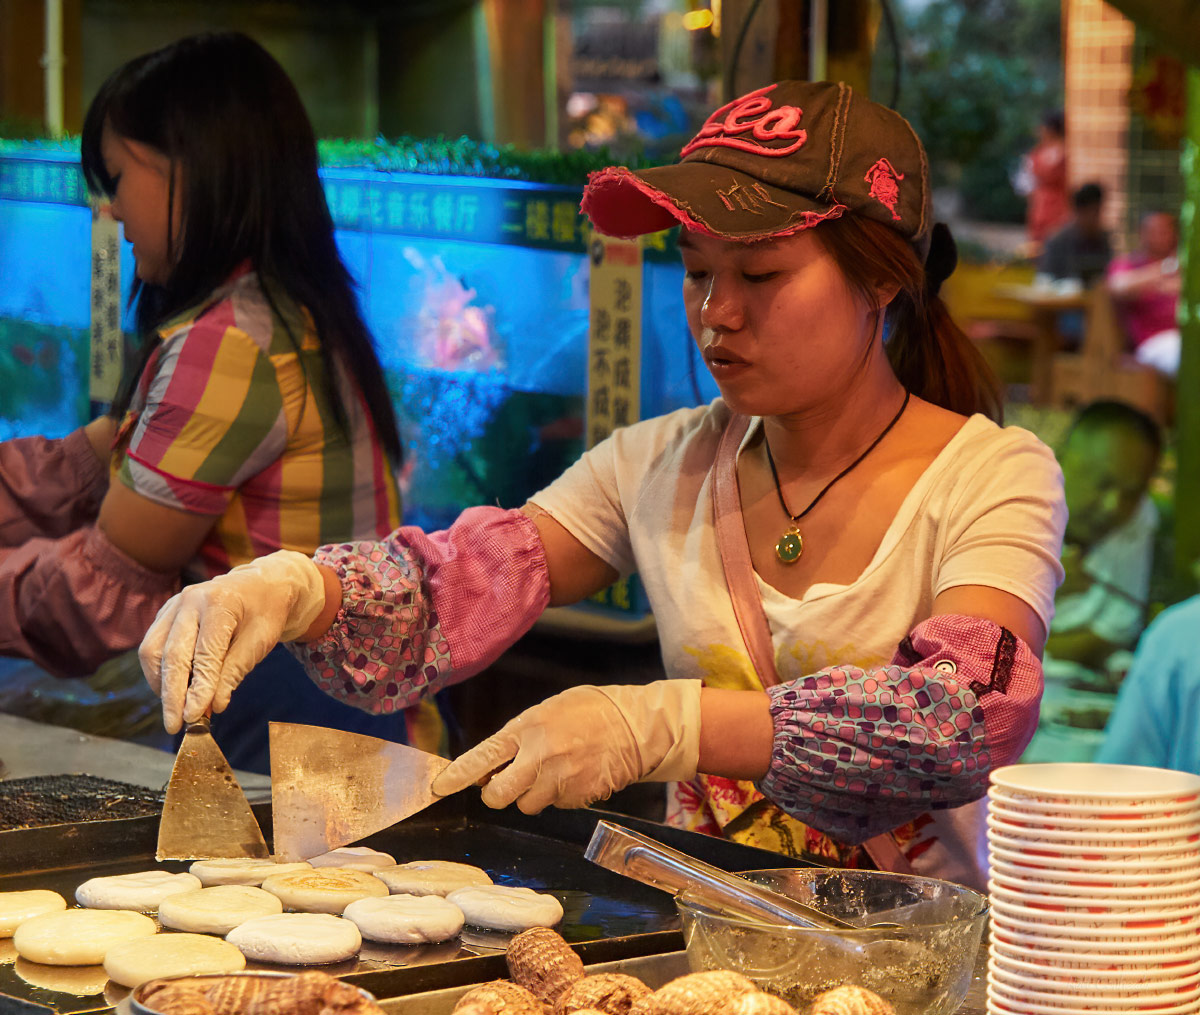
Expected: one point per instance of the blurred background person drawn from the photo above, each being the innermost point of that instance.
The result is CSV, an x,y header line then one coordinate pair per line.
x,y
1146,285
1109,457
1155,718
1043,181
1082,249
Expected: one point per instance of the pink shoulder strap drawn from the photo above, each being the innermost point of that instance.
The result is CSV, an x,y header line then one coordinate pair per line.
x,y
735,554
747,603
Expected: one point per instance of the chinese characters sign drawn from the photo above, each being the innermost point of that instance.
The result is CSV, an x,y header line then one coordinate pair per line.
x,y
107,344
453,208
614,336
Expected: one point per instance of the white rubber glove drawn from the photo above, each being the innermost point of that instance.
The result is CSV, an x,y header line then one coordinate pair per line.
x,y
209,636
585,744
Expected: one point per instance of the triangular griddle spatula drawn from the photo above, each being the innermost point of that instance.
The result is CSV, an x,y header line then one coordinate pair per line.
x,y
330,788
206,814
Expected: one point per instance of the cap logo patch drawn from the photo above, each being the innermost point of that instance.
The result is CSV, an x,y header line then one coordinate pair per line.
x,y
883,179
752,124
739,197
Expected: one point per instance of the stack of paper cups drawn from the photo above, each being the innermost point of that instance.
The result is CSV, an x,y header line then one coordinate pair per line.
x,y
1095,890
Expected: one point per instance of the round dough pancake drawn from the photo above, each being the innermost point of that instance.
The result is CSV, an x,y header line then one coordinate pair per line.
x,y
431,877
217,910
503,908
82,981
171,955
355,858
141,892
328,890
297,939
406,919
17,907
241,871
79,937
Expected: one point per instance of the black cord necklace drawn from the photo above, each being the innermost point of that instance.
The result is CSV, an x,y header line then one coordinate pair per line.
x,y
791,544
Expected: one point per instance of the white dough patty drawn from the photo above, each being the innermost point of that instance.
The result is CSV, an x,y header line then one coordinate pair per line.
x,y
217,910
141,892
503,908
241,871
355,858
323,890
149,958
79,937
406,919
17,907
431,877
297,939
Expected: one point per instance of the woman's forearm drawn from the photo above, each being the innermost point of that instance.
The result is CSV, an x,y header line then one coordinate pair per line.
x,y
333,603
736,733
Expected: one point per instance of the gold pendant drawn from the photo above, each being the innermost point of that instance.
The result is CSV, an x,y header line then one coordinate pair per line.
x,y
790,546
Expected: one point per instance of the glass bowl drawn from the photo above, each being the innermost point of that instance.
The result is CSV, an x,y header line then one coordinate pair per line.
x,y
923,966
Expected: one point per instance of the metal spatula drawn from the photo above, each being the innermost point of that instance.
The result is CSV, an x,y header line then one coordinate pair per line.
x,y
206,814
330,788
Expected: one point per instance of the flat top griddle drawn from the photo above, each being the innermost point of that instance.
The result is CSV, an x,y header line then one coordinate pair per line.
x,y
610,917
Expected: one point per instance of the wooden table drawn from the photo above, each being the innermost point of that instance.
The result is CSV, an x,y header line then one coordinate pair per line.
x,y
1045,304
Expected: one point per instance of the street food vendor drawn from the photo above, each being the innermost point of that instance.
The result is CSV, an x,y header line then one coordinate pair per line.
x,y
852,566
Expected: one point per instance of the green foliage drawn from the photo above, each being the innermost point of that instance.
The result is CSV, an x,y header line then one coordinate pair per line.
x,y
441,156
979,75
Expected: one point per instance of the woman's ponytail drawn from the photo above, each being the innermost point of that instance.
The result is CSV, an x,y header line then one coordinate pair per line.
x,y
930,354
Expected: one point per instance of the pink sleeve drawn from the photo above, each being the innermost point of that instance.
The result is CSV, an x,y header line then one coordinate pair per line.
x,y
858,752
48,487
71,603
423,611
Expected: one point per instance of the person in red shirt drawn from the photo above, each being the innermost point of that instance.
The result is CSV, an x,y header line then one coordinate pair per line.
x,y
1045,168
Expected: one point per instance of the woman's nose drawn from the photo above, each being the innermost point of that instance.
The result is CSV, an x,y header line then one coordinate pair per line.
x,y
722,309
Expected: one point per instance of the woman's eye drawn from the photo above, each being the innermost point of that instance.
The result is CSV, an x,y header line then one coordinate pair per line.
x,y
765,276
694,274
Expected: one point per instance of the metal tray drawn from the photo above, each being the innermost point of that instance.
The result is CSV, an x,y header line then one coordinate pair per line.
x,y
609,917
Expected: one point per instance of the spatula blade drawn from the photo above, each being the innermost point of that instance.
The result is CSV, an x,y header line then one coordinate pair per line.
x,y
330,788
206,814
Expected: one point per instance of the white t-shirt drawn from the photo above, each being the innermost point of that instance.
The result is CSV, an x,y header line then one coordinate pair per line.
x,y
987,511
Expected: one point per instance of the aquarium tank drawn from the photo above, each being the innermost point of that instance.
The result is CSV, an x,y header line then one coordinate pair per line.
x,y
473,269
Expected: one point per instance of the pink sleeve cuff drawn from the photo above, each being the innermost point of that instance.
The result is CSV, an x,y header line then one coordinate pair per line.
x,y
48,487
422,611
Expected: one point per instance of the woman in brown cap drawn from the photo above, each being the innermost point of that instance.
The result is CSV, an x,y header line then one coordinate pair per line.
x,y
851,566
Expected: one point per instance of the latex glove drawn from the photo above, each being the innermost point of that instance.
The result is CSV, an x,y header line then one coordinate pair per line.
x,y
584,744
208,637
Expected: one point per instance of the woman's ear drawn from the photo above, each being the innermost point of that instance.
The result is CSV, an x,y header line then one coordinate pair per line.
x,y
884,294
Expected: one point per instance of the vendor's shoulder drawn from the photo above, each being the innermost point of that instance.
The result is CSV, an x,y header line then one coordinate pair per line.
x,y
703,423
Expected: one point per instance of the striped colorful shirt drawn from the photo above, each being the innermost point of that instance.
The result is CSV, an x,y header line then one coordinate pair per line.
x,y
229,420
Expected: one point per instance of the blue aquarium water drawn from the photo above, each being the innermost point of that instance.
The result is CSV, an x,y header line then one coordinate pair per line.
x,y
476,292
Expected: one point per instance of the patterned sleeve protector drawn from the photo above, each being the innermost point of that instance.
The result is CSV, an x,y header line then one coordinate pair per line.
x,y
423,611
858,752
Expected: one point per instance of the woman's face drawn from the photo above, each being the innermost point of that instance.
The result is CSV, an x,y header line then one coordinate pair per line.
x,y
776,322
140,201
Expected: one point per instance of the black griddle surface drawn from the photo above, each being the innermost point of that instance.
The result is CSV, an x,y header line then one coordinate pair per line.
x,y
63,799
608,916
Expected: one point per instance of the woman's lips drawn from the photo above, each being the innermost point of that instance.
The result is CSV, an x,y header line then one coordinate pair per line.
x,y
723,363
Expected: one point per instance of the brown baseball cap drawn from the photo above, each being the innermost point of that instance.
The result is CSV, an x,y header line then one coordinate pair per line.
x,y
781,158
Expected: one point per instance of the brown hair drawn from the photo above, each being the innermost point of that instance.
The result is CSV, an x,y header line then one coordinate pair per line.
x,y
929,353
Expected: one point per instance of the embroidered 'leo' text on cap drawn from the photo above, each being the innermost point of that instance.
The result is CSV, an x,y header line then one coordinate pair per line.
x,y
751,113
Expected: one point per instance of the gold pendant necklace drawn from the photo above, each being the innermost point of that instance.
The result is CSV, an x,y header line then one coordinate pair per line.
x,y
791,543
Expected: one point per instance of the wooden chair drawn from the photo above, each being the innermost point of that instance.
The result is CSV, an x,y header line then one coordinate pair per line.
x,y
1104,368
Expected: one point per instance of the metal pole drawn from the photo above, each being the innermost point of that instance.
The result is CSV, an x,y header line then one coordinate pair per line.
x,y
1187,406
52,62
818,41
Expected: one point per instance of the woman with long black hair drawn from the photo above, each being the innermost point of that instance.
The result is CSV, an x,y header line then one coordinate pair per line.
x,y
256,417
